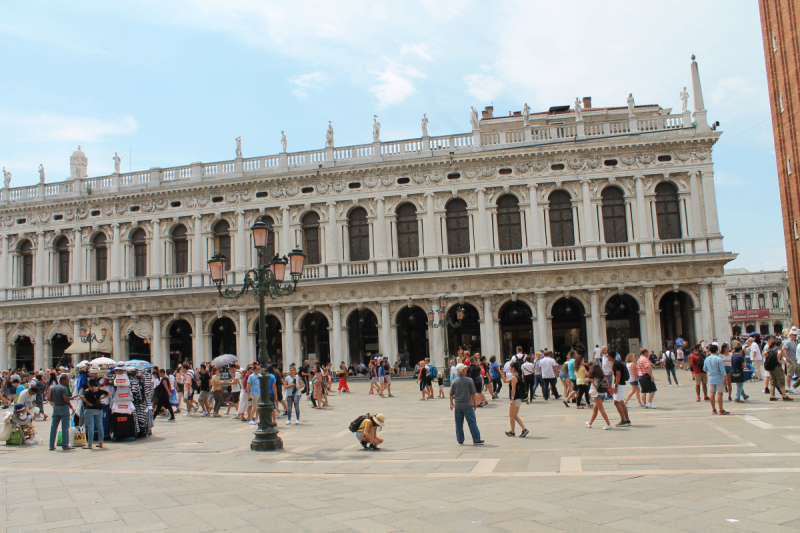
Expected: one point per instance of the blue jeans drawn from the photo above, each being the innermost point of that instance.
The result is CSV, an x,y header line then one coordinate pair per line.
x,y
60,415
672,371
94,418
740,391
472,422
293,400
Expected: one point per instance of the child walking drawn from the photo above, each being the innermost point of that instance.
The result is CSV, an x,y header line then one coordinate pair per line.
x,y
599,391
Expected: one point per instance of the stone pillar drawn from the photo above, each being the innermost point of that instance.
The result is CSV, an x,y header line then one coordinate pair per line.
x,y
706,313
386,329
722,330
487,343
116,259
199,252
594,309
158,355
41,262
198,352
116,342
332,242
76,335
337,353
484,258
645,249
431,253
697,213
38,347
242,344
5,268
437,354
589,224
541,322
240,264
650,318
4,347
287,232
381,237
155,256
710,210
642,331
291,355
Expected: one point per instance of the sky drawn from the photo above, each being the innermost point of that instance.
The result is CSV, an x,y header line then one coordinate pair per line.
x,y
170,83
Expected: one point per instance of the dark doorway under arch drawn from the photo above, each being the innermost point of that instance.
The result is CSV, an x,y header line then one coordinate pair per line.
x,y
58,344
138,348
24,353
362,331
223,337
468,335
274,340
569,327
412,334
676,319
622,323
315,337
516,328
180,343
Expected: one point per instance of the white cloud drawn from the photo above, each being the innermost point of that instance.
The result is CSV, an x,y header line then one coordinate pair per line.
x,y
71,128
729,90
395,84
419,50
304,82
483,87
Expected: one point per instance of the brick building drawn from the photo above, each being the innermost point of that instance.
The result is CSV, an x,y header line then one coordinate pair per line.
x,y
779,22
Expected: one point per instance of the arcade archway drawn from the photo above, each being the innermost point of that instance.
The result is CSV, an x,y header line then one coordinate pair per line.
x,y
468,335
274,339
676,318
180,343
315,337
23,349
58,344
569,326
412,334
223,337
362,331
516,328
138,348
622,323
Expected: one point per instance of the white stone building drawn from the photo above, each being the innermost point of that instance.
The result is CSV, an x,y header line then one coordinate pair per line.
x,y
595,225
758,301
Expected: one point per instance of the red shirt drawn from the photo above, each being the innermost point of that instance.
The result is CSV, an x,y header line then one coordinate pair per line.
x,y
695,360
643,365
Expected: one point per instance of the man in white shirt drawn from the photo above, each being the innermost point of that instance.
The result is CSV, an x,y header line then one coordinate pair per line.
x,y
598,353
756,358
549,369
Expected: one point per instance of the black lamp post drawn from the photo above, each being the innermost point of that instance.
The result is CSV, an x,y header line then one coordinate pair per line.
x,y
89,337
265,280
443,322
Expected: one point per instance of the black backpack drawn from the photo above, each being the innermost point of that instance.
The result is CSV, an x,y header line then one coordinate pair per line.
x,y
772,360
701,360
669,363
355,424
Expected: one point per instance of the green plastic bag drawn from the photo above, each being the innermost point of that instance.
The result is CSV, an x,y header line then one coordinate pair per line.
x,y
15,439
59,440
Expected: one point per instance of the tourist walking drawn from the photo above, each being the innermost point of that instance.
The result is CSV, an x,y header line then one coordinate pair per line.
x,y
790,356
161,395
549,375
463,402
205,390
189,384
598,391
773,364
737,374
755,358
726,355
518,394
342,379
60,400
292,387
216,391
715,368
236,388
647,381
620,372
254,389
669,364
93,411
696,361
633,380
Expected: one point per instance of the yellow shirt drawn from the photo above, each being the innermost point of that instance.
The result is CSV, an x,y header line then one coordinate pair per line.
x,y
580,376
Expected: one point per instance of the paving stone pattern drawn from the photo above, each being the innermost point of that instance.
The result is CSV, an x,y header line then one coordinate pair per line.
x,y
678,468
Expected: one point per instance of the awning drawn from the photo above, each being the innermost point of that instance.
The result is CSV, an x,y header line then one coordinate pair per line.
x,y
104,346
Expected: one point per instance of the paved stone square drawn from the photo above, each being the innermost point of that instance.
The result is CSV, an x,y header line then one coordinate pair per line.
x,y
678,468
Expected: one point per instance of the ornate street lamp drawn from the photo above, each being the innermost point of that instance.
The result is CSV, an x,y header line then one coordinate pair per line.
x,y
265,280
89,337
443,322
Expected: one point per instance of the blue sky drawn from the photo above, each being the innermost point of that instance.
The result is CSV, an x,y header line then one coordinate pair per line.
x,y
169,83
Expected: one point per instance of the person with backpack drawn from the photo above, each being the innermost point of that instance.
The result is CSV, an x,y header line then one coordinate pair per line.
x,y
696,360
773,364
715,368
599,391
669,364
366,429
737,374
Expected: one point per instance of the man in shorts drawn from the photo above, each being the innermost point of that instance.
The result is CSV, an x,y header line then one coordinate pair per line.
x,y
646,381
699,375
790,353
620,372
205,390
716,379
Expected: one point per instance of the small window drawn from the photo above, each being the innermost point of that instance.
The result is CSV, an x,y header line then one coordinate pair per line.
x,y
557,166
610,162
505,171
664,158
217,199
403,181
22,220
58,217
95,213
453,176
781,102
175,204
262,194
774,43
354,185
307,190
134,208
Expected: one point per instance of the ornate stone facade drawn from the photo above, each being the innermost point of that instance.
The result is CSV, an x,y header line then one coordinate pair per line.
x,y
758,301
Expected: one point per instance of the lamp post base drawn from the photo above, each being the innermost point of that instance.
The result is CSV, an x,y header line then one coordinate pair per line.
x,y
266,445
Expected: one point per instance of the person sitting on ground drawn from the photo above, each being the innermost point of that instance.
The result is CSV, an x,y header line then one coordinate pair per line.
x,y
367,433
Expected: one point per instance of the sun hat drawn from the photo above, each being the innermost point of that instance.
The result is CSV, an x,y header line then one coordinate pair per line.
x,y
379,419
794,331
19,407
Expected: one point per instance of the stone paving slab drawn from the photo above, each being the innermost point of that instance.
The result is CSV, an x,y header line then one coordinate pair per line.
x,y
678,468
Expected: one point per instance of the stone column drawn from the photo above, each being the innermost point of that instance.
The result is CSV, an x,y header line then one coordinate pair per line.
x,y
76,335
116,342
437,354
199,250
710,210
198,352
697,213
287,231
332,242
589,223
38,347
534,225
431,253
381,237
645,249
650,318
240,264
337,354
722,330
158,355
291,355
41,262
3,347
541,322
242,348
642,331
116,259
488,345
155,256
386,329
706,313
484,259
594,307
5,268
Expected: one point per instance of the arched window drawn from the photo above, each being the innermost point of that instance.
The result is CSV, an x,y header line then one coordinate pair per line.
x,y
748,301
667,211
222,241
457,227
776,300
26,263
562,232
270,253
762,302
139,253
358,227
615,228
100,257
509,223
180,250
734,303
311,238
407,231
62,256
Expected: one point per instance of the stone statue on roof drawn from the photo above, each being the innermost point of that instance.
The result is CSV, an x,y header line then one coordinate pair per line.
x,y
78,165
578,117
684,96
238,147
283,142
329,135
424,125
6,178
117,161
473,118
41,173
376,129
631,105
526,115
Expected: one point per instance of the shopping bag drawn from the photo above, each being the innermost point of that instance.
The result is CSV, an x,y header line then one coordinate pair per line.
x,y
59,439
16,438
80,439
173,399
